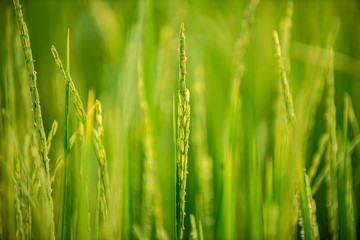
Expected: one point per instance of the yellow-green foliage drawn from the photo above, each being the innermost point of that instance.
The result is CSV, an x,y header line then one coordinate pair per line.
x,y
112,152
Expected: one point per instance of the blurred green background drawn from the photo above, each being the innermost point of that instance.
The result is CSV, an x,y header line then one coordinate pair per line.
x,y
104,47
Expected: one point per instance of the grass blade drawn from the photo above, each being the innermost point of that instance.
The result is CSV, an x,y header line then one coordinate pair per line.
x,y
285,33
52,133
66,214
175,172
347,223
318,155
194,232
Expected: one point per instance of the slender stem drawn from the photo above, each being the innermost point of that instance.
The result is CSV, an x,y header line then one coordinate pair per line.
x,y
66,224
332,193
183,133
175,176
36,109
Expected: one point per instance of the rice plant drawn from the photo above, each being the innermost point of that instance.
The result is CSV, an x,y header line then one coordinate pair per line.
x,y
104,146
183,136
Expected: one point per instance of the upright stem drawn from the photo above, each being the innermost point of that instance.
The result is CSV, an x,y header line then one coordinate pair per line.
x,y
183,134
36,107
66,224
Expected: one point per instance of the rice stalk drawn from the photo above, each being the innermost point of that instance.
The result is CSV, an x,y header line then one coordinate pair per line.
x,y
232,133
66,204
79,107
323,175
124,126
31,195
285,33
343,176
269,210
290,114
175,171
27,202
330,157
347,220
352,118
101,156
275,194
312,207
151,199
97,135
255,194
85,227
284,191
279,194
148,188
241,46
305,218
51,134
318,156
36,109
38,122
18,203
305,207
22,203
310,98
183,128
354,123
60,160
351,221
323,70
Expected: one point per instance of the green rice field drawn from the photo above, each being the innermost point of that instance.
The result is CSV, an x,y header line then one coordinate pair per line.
x,y
154,119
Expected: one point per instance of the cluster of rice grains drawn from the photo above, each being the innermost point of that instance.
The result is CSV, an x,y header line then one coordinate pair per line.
x,y
43,144
97,136
183,132
38,121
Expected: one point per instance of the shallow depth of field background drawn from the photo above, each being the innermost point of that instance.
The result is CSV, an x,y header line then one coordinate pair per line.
x,y
104,47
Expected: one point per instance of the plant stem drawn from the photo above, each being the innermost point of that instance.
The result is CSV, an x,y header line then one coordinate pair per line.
x,y
183,133
36,107
66,224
